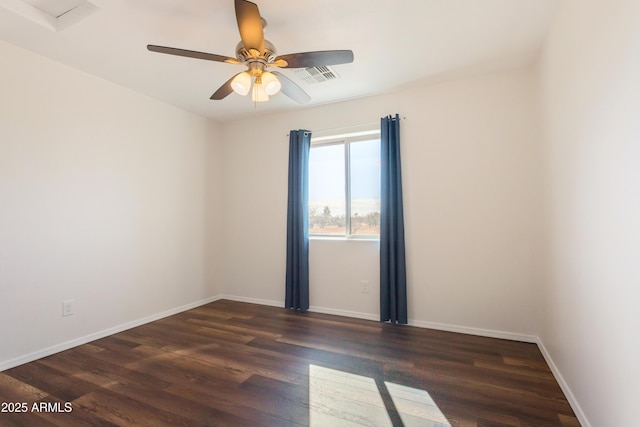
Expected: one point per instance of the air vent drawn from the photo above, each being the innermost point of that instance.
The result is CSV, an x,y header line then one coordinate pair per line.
x,y
53,14
55,8
313,75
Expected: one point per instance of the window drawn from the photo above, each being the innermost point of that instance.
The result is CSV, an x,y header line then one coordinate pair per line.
x,y
344,186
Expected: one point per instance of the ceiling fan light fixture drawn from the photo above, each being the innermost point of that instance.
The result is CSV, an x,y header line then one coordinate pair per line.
x,y
258,94
241,84
271,83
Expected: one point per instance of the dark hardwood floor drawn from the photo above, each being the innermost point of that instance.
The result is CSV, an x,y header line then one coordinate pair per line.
x,y
237,364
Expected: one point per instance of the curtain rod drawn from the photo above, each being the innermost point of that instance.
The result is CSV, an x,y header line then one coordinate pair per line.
x,y
350,126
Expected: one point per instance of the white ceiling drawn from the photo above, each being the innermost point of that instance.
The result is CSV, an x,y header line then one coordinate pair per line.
x,y
395,44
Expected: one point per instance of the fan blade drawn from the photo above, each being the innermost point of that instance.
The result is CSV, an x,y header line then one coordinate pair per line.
x,y
192,54
292,90
250,25
224,90
316,59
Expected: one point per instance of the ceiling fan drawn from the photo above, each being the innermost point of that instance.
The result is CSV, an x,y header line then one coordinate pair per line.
x,y
258,54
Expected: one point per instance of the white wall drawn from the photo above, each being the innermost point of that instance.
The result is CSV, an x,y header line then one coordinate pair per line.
x,y
103,199
471,173
590,89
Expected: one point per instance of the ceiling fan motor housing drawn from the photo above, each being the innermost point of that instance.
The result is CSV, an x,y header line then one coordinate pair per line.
x,y
245,55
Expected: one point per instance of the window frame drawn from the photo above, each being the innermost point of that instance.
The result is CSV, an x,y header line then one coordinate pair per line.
x,y
345,140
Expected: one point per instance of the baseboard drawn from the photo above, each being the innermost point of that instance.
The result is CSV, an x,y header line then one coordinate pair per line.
x,y
258,301
345,313
314,309
577,409
104,333
489,333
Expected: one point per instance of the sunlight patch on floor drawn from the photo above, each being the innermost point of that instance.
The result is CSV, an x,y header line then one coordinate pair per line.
x,y
338,398
416,406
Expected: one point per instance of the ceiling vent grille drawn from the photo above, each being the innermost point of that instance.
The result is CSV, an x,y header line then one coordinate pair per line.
x,y
52,14
313,75
55,8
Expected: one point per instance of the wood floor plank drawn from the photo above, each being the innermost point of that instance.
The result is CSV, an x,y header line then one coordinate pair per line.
x,y
236,364
74,418
52,381
99,372
28,419
290,401
14,390
242,403
124,411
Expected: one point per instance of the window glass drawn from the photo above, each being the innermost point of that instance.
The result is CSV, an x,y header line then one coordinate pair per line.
x,y
364,170
327,190
344,187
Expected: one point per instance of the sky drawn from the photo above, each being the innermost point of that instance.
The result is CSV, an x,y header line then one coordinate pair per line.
x,y
326,171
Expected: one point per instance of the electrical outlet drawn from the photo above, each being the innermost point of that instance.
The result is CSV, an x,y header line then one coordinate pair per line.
x,y
364,286
67,307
